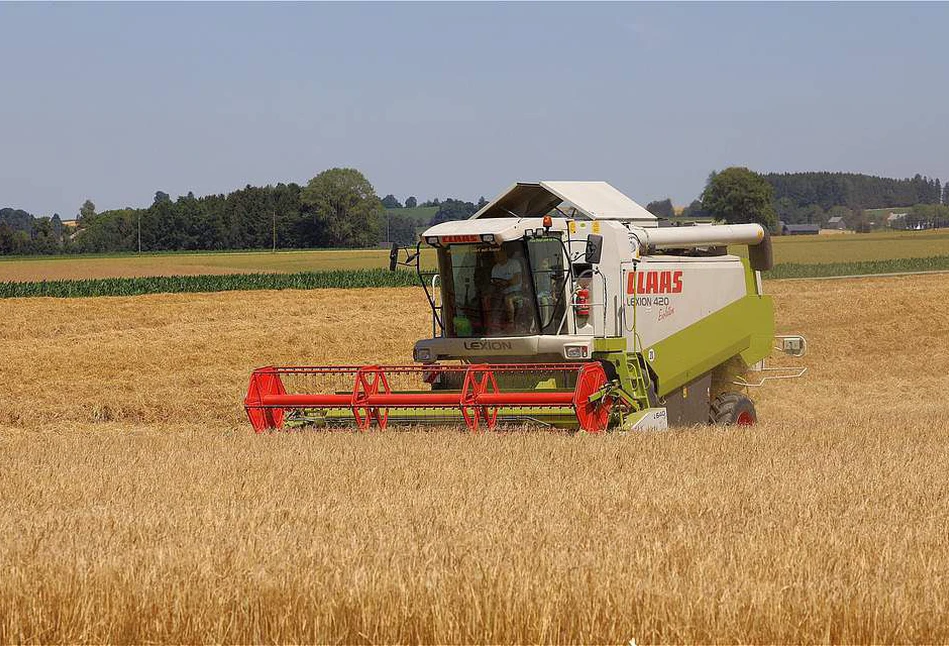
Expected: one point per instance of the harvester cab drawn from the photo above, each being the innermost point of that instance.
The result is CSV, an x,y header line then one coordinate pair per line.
x,y
562,304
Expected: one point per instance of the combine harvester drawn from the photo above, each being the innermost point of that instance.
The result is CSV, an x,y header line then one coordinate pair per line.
x,y
563,304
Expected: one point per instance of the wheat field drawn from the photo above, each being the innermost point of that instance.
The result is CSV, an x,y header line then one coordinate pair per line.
x,y
137,506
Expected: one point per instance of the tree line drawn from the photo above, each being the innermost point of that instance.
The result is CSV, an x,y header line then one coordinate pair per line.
x,y
403,225
21,233
337,209
853,190
740,195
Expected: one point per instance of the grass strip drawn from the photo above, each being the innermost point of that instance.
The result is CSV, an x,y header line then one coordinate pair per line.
x,y
335,279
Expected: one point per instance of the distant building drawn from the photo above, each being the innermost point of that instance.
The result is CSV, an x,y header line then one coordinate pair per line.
x,y
800,230
896,220
836,222
70,224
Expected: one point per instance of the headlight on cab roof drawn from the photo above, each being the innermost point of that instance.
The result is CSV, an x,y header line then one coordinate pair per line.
x,y
487,237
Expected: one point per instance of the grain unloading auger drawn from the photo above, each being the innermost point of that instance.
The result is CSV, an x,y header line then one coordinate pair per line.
x,y
563,304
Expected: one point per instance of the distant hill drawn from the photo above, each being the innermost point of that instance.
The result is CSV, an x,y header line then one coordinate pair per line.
x,y
852,190
422,215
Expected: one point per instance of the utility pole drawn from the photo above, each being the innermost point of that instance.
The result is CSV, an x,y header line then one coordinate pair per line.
x,y
274,231
140,231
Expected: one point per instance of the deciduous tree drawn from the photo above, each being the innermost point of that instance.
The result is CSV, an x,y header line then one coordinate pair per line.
x,y
390,202
661,208
402,230
694,210
737,195
452,209
7,242
345,206
87,210
56,223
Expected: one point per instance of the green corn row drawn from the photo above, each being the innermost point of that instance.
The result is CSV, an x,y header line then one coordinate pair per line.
x,y
338,279
897,265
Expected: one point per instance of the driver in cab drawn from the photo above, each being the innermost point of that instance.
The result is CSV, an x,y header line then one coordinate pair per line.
x,y
506,276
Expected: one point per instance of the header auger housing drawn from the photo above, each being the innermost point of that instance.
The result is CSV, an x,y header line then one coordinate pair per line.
x,y
562,304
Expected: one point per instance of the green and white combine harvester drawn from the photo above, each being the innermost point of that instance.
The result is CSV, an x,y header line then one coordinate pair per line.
x,y
563,304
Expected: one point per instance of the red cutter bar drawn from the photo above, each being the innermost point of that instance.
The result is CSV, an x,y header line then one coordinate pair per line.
x,y
479,399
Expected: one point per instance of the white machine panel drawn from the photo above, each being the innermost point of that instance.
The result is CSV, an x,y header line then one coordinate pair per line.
x,y
672,293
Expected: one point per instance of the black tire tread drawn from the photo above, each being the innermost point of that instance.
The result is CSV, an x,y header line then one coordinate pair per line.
x,y
726,407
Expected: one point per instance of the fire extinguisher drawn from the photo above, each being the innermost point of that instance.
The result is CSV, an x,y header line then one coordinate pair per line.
x,y
583,301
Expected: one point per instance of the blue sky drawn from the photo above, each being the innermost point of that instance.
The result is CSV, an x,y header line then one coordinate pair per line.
x,y
115,101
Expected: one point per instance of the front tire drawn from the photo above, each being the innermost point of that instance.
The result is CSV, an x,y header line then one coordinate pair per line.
x,y
732,409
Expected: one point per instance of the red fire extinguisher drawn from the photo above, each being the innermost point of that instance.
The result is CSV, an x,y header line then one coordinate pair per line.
x,y
583,302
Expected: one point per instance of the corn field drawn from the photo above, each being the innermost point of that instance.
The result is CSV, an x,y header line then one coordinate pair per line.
x,y
338,279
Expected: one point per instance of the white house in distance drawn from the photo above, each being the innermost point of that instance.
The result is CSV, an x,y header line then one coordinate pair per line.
x,y
895,220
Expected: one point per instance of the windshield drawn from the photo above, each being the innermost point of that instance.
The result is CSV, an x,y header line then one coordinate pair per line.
x,y
514,289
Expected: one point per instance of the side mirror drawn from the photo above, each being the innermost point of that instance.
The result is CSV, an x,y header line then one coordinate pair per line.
x,y
393,256
594,249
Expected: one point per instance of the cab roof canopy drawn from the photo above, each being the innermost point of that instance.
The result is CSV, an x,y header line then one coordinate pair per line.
x,y
592,201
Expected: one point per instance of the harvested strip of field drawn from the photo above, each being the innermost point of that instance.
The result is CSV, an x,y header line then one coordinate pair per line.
x,y
173,357
341,279
137,506
176,357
